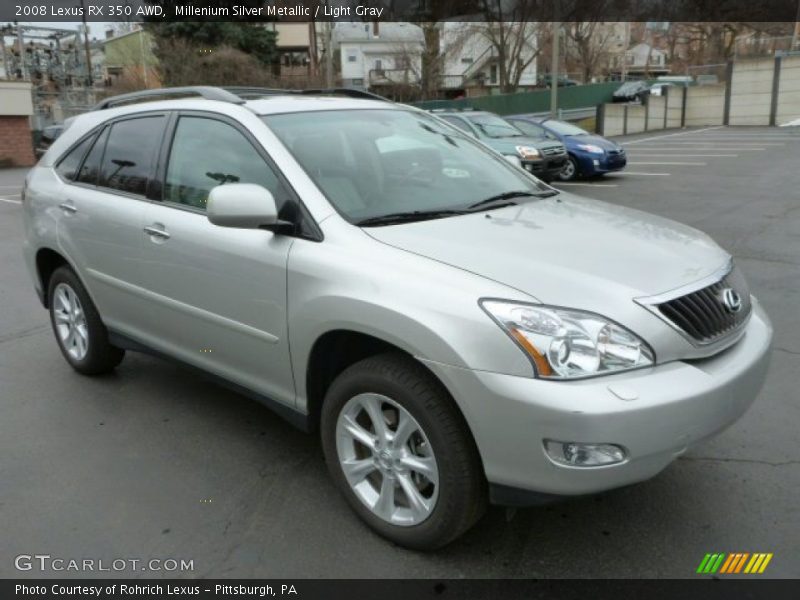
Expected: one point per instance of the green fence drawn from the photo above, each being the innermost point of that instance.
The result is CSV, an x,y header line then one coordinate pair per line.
x,y
579,96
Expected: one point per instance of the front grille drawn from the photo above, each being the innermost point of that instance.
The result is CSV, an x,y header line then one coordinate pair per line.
x,y
704,315
552,151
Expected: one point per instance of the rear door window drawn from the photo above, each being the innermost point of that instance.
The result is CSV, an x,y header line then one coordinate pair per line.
x,y
90,168
130,154
69,165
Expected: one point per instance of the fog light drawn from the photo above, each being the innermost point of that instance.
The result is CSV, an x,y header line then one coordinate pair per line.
x,y
577,454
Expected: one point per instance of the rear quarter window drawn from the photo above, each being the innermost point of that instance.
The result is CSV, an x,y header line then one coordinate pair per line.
x,y
68,166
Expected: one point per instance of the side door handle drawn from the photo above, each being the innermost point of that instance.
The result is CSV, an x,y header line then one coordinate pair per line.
x,y
156,232
68,207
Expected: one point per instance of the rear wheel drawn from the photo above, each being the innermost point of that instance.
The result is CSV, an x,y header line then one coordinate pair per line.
x,y
79,331
400,452
570,170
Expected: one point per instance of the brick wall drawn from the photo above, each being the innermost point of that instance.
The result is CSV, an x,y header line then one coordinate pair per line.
x,y
16,143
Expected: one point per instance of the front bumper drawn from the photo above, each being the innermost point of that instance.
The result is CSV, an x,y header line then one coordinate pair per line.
x,y
605,163
547,167
677,404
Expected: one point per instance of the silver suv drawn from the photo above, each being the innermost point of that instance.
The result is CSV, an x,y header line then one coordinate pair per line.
x,y
457,331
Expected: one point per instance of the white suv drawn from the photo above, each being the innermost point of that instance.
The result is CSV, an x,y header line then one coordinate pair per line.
x,y
457,331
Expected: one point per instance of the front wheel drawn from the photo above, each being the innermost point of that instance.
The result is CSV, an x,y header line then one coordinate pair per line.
x,y
400,452
569,171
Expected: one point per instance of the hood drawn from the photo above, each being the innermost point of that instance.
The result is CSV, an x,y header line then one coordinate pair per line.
x,y
591,139
566,250
509,145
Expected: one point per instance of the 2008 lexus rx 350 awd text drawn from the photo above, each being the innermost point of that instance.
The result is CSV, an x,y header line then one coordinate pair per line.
x,y
456,331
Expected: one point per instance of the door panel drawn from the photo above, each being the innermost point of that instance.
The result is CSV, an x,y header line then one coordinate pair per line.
x,y
218,295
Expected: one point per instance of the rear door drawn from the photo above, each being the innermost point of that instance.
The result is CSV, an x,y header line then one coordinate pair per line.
x,y
101,215
218,295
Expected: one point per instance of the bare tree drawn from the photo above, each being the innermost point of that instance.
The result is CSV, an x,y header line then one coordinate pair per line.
x,y
512,32
590,41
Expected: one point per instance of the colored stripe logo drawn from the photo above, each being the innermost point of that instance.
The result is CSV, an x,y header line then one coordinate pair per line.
x,y
735,563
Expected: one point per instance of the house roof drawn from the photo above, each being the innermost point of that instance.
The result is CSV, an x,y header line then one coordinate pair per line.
x,y
388,32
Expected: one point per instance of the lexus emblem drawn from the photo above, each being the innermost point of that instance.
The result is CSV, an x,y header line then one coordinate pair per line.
x,y
731,300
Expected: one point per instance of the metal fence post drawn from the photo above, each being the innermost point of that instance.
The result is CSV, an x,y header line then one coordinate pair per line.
x,y
776,83
726,113
683,106
625,120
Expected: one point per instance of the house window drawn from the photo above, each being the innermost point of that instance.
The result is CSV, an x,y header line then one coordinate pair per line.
x,y
378,65
351,58
467,60
493,74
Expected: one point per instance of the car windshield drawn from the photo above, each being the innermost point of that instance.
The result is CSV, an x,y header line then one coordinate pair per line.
x,y
562,128
373,163
494,127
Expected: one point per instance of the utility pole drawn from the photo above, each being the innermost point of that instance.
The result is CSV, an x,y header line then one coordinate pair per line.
x,y
328,55
21,44
86,45
625,50
554,70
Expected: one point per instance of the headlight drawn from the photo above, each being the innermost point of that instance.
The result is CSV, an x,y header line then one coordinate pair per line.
x,y
566,344
527,152
591,148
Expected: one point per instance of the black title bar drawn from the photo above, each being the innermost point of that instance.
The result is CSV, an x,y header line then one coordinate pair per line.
x,y
399,10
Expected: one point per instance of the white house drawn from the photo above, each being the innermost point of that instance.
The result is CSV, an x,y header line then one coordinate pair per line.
x,y
643,59
470,57
379,55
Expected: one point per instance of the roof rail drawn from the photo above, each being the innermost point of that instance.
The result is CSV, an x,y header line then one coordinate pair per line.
x,y
257,92
233,94
207,92
351,92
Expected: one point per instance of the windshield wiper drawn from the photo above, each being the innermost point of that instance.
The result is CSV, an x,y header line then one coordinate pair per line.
x,y
408,217
502,199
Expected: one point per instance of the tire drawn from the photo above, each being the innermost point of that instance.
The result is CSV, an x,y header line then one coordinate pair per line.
x,y
397,383
79,331
570,170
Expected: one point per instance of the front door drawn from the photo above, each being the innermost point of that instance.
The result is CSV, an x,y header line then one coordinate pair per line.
x,y
218,295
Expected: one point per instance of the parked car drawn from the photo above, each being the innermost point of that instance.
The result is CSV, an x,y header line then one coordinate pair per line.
x,y
546,80
589,154
48,135
544,158
631,91
457,331
657,89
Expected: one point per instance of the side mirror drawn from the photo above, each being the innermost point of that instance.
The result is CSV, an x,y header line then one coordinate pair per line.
x,y
242,205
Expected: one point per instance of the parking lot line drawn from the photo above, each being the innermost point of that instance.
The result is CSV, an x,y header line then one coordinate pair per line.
x,y
10,201
646,174
659,137
694,149
655,154
575,183
737,144
683,164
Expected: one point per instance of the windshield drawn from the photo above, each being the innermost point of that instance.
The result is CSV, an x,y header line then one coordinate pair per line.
x,y
371,163
494,127
562,128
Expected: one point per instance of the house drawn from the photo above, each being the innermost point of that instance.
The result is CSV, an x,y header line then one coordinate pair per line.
x,y
130,60
298,53
470,59
643,62
380,57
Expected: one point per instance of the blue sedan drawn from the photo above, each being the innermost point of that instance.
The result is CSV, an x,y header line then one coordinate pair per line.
x,y
589,154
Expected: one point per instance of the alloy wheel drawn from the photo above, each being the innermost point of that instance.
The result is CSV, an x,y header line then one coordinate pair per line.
x,y
387,459
70,322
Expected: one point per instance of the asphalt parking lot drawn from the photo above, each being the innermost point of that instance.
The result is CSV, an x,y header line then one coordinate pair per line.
x,y
153,462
